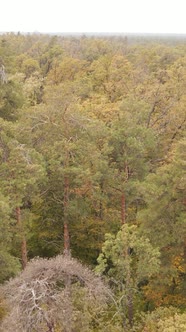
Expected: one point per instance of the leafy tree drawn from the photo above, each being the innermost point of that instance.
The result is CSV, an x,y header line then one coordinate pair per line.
x,y
105,116
9,264
67,69
11,100
75,155
21,170
164,320
129,261
163,221
133,147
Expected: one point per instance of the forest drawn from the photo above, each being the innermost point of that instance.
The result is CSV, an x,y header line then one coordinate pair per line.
x,y
92,183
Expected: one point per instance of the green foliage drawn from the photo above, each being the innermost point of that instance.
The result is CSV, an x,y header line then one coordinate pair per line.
x,y
129,261
128,252
163,221
11,100
10,266
165,320
92,135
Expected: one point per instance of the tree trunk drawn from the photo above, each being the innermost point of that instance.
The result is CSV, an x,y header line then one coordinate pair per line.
x,y
66,239
24,258
101,203
130,307
68,309
66,228
184,250
123,209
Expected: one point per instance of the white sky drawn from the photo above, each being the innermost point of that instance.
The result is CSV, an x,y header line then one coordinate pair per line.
x,y
150,16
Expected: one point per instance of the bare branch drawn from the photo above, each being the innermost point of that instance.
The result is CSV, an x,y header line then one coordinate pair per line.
x,y
41,296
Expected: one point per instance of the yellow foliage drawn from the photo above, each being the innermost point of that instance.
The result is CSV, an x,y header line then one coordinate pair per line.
x,y
178,262
160,295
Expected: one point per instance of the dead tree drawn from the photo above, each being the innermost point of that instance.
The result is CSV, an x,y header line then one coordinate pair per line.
x,y
38,298
3,77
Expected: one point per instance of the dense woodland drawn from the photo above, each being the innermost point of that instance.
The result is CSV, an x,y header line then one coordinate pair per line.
x,y
92,183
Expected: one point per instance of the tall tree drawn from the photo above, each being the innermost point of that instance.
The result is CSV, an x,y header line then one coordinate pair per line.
x,y
132,150
128,260
9,264
21,170
163,220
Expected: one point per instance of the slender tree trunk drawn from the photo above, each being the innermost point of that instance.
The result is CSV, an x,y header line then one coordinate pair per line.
x,y
66,239
68,312
130,308
68,309
184,244
184,250
123,209
24,258
101,203
24,252
66,226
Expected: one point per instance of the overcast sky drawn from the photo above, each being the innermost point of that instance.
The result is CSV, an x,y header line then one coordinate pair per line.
x,y
149,16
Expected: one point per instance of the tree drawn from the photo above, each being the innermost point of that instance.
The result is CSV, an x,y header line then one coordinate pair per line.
x,y
129,260
133,147
75,153
164,319
9,264
3,74
40,298
21,170
11,100
163,221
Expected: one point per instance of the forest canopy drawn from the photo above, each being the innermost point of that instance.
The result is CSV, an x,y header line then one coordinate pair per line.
x,y
92,166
